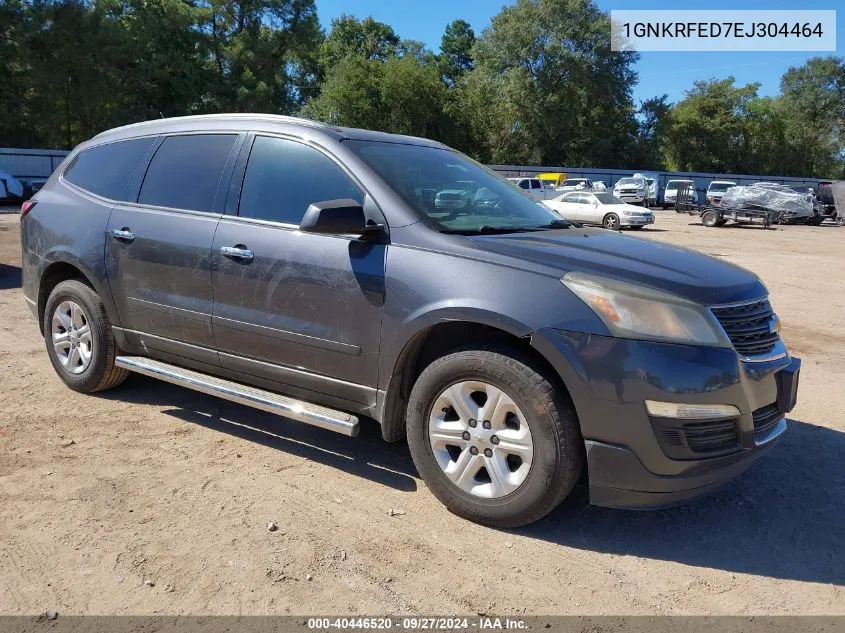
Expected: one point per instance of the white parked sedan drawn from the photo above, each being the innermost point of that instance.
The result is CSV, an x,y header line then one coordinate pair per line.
x,y
600,208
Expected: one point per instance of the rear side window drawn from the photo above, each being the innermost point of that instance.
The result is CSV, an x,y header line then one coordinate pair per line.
x,y
186,170
105,170
284,177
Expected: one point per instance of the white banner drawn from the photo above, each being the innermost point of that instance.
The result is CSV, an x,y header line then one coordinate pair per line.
x,y
728,30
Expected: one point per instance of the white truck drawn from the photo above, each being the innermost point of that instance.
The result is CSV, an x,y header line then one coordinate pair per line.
x,y
536,187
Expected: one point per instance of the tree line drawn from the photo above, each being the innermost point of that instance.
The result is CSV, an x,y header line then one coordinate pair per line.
x,y
538,86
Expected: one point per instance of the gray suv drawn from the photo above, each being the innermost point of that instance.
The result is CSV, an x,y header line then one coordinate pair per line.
x,y
308,270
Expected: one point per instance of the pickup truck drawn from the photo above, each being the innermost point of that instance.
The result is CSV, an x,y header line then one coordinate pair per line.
x,y
536,188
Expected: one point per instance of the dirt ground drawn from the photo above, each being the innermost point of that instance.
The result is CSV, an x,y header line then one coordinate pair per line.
x,y
151,482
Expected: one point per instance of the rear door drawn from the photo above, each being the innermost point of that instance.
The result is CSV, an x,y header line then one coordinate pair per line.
x,y
158,247
300,309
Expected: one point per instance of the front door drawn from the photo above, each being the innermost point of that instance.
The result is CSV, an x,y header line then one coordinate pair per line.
x,y
158,250
296,308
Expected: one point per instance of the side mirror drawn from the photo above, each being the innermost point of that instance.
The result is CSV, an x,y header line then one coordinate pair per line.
x,y
336,217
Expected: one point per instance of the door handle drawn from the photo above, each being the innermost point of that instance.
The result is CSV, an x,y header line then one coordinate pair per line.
x,y
124,234
239,253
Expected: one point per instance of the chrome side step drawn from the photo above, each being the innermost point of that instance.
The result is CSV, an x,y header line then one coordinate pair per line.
x,y
298,410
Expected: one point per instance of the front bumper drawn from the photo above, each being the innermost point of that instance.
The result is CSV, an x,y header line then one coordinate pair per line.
x,y
633,220
610,379
636,198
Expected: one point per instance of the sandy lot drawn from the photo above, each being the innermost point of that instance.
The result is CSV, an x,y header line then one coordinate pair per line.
x,y
165,485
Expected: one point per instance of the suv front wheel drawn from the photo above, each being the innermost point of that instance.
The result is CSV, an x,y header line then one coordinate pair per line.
x,y
492,437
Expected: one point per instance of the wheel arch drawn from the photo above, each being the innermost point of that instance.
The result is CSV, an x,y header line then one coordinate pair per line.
x,y
438,339
62,268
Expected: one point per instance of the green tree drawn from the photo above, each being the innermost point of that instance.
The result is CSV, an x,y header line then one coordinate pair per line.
x,y
264,54
456,51
167,70
813,105
367,38
708,127
350,94
547,89
652,126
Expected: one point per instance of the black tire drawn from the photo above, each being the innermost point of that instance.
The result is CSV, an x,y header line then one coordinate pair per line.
x,y
558,446
101,373
611,222
710,219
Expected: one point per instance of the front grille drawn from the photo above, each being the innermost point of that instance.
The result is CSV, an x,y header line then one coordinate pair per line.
x,y
749,326
765,419
696,439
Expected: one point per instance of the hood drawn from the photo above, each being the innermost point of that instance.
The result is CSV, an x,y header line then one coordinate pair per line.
x,y
680,271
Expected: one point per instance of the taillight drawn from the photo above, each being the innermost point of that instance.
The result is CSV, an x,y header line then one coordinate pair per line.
x,y
26,207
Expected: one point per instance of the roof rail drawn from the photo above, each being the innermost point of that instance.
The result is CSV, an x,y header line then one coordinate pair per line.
x,y
280,118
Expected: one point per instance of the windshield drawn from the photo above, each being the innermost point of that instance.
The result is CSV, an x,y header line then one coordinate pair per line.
x,y
674,184
452,190
606,198
630,181
721,186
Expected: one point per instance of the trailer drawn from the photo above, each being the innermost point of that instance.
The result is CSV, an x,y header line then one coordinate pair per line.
x,y
719,216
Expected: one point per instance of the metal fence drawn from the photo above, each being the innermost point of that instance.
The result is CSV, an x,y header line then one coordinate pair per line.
x,y
30,164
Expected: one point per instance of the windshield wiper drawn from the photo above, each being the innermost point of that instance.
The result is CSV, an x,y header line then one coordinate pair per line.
x,y
493,230
559,224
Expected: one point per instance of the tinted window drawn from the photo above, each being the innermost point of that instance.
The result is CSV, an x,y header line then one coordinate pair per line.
x,y
186,170
523,184
535,184
106,170
284,177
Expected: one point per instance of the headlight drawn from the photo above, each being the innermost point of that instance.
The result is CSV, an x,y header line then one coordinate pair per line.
x,y
625,212
632,311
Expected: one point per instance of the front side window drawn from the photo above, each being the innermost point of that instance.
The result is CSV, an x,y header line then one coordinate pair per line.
x,y
283,178
186,170
105,170
451,190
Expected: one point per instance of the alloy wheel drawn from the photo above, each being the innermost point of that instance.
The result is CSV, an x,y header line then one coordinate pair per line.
x,y
71,336
480,439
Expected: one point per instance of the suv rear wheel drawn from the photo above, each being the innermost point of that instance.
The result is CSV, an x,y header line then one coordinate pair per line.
x,y
79,338
492,437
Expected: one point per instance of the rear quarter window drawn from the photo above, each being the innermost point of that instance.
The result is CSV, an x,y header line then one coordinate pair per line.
x,y
185,171
105,170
